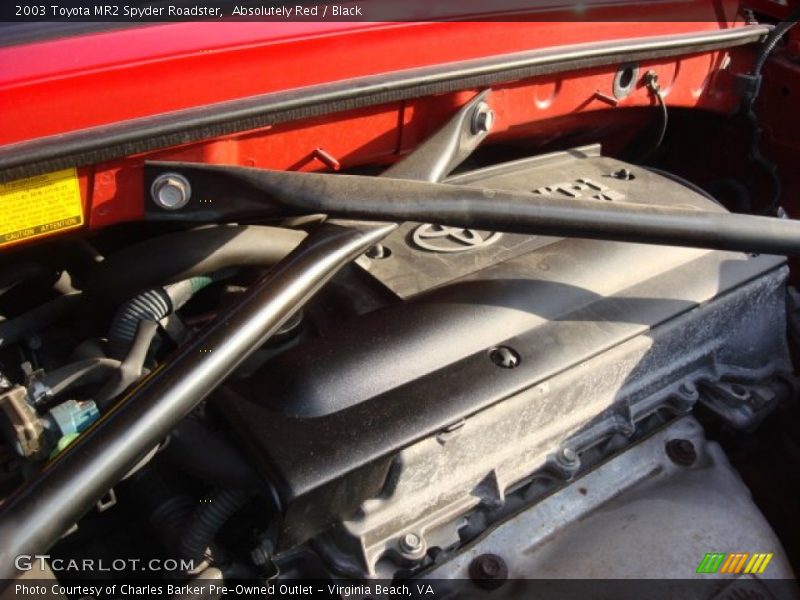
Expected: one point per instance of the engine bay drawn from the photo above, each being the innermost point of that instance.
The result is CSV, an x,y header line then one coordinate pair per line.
x,y
477,364
484,372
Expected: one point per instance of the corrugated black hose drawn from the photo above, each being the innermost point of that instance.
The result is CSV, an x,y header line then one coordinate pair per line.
x,y
151,305
208,520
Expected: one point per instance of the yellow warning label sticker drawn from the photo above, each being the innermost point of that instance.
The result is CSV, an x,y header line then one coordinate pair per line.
x,y
39,206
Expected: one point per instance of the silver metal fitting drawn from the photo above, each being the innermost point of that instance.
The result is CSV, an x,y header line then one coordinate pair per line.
x,y
482,119
171,191
412,545
568,457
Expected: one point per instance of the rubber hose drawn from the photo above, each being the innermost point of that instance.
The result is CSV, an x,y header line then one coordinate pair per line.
x,y
166,505
83,372
129,370
773,38
37,319
16,273
208,520
207,455
152,305
180,256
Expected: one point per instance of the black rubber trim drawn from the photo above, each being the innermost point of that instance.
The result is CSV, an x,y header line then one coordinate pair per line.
x,y
152,133
16,33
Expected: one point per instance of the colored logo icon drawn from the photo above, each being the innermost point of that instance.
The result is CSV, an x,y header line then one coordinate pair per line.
x,y
734,563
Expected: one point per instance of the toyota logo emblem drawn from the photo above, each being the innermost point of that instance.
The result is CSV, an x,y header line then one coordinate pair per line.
x,y
441,238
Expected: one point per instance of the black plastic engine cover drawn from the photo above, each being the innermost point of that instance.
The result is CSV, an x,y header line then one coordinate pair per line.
x,y
324,420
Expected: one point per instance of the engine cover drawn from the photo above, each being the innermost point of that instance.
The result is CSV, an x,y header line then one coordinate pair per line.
x,y
503,358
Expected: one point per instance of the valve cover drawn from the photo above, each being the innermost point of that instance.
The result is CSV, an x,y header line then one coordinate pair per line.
x,y
499,351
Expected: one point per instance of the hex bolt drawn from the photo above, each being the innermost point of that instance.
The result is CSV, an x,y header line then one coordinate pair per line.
x,y
488,571
568,457
171,191
504,357
681,452
482,119
412,545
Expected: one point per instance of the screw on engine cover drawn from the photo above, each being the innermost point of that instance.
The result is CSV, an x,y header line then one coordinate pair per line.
x,y
482,119
681,452
412,545
504,357
623,174
171,191
488,571
378,252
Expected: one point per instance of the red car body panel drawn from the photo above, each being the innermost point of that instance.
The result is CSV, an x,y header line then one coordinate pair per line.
x,y
75,83
71,84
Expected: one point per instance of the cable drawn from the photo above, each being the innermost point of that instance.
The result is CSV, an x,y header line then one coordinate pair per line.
x,y
37,513
769,45
651,82
83,372
179,256
131,368
751,83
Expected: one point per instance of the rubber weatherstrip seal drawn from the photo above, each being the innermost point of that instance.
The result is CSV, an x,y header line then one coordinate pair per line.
x,y
138,136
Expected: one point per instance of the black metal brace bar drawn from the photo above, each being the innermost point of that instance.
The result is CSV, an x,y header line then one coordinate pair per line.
x,y
231,193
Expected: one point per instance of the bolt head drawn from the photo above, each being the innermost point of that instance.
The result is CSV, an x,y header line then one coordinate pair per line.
x,y
681,452
412,545
171,191
482,119
568,455
488,571
568,459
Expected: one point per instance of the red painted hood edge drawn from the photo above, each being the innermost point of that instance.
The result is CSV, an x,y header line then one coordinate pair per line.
x,y
59,86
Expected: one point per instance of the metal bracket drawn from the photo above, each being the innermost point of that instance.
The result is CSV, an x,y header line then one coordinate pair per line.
x,y
437,156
